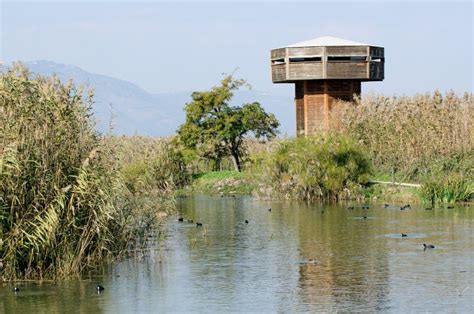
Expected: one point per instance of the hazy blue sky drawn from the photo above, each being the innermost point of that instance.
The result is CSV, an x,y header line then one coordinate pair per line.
x,y
186,46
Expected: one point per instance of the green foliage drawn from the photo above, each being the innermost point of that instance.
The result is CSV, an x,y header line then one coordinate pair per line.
x,y
221,182
447,189
450,179
319,167
63,204
214,129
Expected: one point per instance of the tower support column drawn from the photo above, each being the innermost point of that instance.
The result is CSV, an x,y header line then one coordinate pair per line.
x,y
314,101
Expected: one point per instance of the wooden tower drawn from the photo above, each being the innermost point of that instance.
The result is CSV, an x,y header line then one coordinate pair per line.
x,y
324,69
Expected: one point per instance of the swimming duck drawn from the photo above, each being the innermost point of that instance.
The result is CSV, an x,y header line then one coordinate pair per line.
x,y
385,206
198,224
100,288
404,235
180,219
16,289
365,217
311,261
428,246
269,209
190,221
365,206
350,207
246,221
407,206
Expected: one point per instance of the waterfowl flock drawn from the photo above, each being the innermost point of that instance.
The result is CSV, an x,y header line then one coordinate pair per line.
x,y
403,207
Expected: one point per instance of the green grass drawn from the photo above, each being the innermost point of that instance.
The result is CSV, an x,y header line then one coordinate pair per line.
x,y
221,182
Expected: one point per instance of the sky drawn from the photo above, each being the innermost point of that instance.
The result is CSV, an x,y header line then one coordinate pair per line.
x,y
185,46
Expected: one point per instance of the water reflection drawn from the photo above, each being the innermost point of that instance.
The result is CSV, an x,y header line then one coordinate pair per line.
x,y
262,266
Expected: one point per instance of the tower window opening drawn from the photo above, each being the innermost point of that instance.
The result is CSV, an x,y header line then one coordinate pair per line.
x,y
305,59
278,61
376,59
347,58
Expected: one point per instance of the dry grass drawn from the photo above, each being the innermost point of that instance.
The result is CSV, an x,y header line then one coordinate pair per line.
x,y
409,134
63,202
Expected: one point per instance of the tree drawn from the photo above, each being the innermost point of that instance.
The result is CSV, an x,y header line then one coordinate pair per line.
x,y
216,130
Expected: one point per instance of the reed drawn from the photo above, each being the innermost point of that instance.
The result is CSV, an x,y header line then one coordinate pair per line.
x,y
64,205
408,135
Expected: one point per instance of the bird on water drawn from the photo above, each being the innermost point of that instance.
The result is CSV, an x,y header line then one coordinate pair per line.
x,y
404,235
407,206
428,246
180,219
100,288
246,221
16,289
269,209
198,224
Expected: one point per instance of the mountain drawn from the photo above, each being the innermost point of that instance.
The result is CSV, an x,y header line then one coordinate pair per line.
x,y
136,111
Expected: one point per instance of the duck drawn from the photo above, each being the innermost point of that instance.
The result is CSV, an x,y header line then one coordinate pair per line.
x,y
365,217
269,209
311,261
407,206
180,219
450,207
198,224
190,221
428,246
100,288
404,235
365,206
16,289
429,208
246,221
385,206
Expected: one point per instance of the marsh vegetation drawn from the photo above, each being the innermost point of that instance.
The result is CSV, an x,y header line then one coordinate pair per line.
x,y
70,197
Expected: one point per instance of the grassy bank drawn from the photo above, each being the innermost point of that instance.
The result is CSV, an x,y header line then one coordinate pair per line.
x,y
68,198
221,183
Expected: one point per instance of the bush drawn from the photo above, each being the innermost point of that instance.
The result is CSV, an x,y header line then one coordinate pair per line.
x,y
447,189
320,167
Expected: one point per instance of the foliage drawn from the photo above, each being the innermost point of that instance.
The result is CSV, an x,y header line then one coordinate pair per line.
x,y
149,165
221,182
319,167
214,129
63,204
409,135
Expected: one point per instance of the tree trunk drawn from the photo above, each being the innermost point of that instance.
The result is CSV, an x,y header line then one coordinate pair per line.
x,y
236,161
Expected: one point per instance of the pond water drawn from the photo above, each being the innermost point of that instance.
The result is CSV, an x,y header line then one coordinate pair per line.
x,y
361,264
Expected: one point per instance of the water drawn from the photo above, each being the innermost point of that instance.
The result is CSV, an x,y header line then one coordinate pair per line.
x,y
228,265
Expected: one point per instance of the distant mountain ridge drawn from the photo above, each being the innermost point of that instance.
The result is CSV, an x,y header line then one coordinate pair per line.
x,y
136,111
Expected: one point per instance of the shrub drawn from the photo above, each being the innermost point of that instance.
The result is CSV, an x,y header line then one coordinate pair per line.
x,y
324,167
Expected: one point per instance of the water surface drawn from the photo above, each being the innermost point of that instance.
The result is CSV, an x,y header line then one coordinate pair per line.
x,y
362,264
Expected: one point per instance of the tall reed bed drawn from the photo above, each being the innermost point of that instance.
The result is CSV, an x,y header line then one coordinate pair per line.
x,y
63,203
422,138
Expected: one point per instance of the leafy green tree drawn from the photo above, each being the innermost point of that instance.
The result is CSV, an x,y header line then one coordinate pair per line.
x,y
216,130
